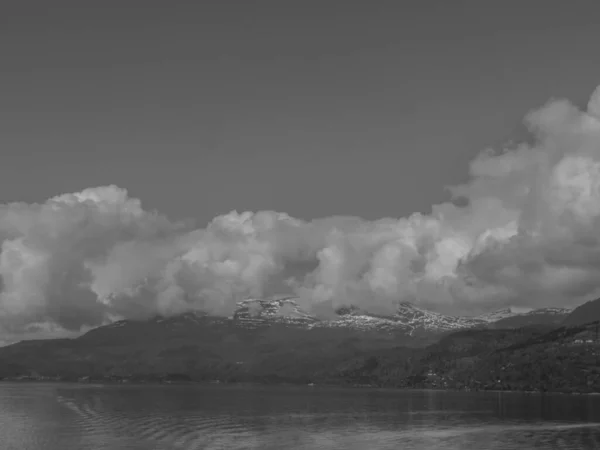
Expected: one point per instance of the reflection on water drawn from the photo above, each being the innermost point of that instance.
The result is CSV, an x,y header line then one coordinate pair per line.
x,y
59,416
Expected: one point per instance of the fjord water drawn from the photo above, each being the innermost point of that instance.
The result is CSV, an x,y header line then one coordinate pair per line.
x,y
86,417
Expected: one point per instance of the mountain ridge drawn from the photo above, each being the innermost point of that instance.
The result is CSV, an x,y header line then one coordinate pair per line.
x,y
409,319
274,341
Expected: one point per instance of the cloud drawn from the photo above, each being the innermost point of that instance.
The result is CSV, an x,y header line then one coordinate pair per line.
x,y
527,233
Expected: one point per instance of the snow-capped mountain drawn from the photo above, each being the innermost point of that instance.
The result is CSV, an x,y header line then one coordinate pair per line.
x,y
354,319
430,321
252,313
408,319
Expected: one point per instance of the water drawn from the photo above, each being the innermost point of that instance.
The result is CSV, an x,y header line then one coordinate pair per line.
x,y
86,417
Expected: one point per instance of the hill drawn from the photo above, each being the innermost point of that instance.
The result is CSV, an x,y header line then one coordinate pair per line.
x,y
534,358
201,348
586,313
542,358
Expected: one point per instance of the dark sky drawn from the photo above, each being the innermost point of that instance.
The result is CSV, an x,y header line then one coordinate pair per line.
x,y
315,108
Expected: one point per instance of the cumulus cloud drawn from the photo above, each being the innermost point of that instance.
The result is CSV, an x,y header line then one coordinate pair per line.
x,y
527,233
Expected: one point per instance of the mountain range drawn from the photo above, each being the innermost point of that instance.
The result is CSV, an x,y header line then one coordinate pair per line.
x,y
408,319
275,340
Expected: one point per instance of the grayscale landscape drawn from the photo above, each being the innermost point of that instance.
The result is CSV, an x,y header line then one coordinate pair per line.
x,y
299,225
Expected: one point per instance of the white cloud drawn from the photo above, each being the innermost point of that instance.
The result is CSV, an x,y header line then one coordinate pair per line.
x,y
528,235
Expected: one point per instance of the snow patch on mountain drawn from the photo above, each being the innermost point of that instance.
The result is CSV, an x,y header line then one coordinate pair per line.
x,y
254,312
407,319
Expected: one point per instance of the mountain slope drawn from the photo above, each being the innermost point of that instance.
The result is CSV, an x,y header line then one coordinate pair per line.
x,y
198,347
500,314
586,313
542,358
543,316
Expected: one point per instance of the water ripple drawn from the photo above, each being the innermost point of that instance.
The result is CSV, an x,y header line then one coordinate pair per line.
x,y
95,418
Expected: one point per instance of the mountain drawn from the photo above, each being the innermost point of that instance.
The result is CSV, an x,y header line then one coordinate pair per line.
x,y
275,341
254,313
201,347
421,319
258,313
263,338
586,313
408,319
251,313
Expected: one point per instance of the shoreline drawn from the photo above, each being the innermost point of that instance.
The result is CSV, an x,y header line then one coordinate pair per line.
x,y
102,383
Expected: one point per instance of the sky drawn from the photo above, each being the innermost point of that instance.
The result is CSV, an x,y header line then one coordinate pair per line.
x,y
345,117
